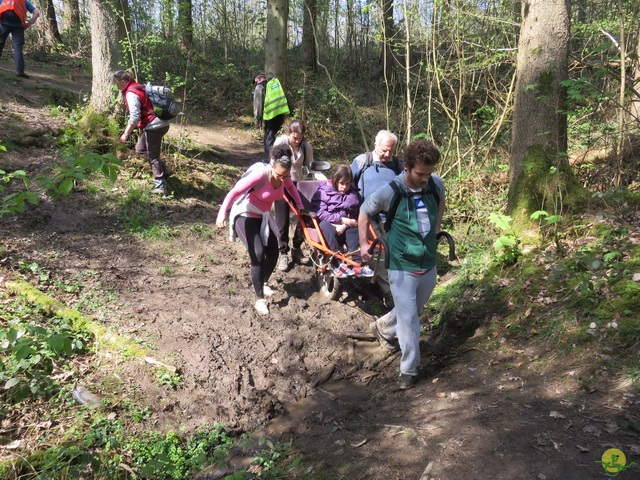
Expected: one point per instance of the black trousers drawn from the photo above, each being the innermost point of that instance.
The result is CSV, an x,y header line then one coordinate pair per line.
x,y
283,221
148,147
271,129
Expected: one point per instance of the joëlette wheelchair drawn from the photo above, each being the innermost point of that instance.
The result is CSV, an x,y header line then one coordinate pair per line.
x,y
321,255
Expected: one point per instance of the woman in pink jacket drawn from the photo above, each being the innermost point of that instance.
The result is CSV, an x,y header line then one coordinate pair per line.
x,y
248,205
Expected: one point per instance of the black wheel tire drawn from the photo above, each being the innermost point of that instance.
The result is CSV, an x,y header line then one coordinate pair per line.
x,y
331,286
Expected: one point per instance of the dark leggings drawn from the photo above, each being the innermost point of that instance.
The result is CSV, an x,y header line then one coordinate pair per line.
x,y
283,221
263,258
350,237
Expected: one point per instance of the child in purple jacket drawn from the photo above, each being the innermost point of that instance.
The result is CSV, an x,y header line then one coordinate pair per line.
x,y
337,203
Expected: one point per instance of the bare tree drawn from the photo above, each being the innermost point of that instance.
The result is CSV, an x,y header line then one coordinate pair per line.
x,y
185,23
387,39
50,26
308,34
71,16
539,171
106,55
276,45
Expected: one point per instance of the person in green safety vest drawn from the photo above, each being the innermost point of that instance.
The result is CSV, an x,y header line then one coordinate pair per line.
x,y
270,107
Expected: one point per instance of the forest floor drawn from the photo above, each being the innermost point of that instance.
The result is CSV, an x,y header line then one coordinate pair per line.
x,y
485,408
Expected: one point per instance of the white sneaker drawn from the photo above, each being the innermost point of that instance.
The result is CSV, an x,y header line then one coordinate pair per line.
x,y
267,290
261,306
283,263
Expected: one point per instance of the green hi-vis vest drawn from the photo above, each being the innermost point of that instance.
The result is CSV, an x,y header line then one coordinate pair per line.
x,y
275,102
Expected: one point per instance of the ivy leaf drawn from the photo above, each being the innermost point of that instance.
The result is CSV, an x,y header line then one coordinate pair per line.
x,y
12,382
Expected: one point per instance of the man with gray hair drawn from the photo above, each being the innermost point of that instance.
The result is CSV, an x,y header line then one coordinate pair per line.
x,y
372,170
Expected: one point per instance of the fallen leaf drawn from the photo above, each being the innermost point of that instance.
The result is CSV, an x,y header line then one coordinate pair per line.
x,y
593,430
583,449
555,414
359,444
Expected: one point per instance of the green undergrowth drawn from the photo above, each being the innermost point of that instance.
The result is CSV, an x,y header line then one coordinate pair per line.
x,y
44,355
576,293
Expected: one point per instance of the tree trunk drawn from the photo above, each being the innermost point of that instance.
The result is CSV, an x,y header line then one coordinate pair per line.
x,y
634,108
71,16
309,34
51,32
185,23
539,170
106,55
276,45
387,39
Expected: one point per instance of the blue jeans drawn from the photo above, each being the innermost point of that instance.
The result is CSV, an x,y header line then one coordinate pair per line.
x,y
411,292
17,37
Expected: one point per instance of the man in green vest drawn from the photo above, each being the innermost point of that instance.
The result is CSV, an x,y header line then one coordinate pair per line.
x,y
270,107
411,236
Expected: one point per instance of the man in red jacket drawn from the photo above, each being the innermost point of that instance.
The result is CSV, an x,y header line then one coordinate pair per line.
x,y
13,20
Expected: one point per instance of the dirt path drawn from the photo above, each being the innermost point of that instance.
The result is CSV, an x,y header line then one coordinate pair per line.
x,y
483,409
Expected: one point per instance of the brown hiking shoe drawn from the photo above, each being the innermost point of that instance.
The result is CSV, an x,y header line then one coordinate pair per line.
x,y
406,381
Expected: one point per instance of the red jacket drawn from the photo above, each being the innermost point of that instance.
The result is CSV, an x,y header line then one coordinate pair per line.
x,y
19,7
147,114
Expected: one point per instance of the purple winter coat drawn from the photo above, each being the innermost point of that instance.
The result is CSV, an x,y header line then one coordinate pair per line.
x,y
331,205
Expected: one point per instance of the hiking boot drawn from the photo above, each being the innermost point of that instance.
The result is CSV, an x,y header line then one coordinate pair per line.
x,y
22,74
160,186
406,381
299,257
283,263
389,345
261,306
267,290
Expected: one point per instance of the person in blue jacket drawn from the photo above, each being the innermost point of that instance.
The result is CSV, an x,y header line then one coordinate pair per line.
x,y
372,170
14,21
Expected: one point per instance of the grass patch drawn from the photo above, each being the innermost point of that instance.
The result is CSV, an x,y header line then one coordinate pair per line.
x,y
43,355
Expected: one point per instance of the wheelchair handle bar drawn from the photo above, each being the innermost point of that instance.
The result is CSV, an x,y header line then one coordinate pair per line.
x,y
452,246
385,246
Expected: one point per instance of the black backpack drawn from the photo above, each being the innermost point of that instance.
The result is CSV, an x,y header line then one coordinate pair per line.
x,y
430,189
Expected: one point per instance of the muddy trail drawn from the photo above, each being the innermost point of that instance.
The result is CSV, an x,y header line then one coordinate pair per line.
x,y
484,408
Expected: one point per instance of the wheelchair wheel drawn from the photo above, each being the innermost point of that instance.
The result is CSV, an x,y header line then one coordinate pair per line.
x,y
330,286
325,281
